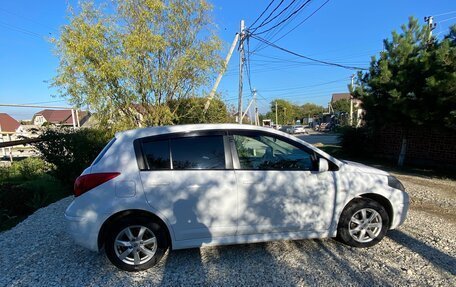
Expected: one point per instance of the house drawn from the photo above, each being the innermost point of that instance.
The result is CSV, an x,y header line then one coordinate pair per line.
x,y
59,117
8,127
357,110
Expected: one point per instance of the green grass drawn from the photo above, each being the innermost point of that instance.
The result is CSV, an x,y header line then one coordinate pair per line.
x,y
25,187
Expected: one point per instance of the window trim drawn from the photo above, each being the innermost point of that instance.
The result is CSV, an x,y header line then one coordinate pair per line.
x,y
236,162
141,158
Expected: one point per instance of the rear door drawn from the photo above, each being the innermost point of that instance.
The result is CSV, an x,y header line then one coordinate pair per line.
x,y
189,179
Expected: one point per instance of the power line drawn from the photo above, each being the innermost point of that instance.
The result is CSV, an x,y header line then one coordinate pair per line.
x,y
303,21
441,21
308,86
305,57
270,14
272,33
262,13
284,20
37,103
28,19
446,13
21,30
280,13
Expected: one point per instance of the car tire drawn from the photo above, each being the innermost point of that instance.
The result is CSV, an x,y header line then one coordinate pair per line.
x,y
135,244
363,223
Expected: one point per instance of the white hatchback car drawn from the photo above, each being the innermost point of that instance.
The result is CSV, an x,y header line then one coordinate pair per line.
x,y
189,186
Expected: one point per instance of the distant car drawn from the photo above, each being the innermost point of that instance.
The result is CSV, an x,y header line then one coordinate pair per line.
x,y
189,186
277,127
296,130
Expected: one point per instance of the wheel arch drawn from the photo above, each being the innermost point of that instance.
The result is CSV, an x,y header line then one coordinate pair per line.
x,y
133,213
383,201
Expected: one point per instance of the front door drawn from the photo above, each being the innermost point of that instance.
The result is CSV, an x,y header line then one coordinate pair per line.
x,y
279,188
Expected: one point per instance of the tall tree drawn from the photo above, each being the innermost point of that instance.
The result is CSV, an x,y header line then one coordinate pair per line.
x,y
341,106
311,109
136,53
413,82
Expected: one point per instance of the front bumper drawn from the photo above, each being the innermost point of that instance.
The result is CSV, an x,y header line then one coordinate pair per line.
x,y
401,211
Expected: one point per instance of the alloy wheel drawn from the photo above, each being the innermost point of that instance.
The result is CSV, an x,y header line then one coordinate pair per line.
x,y
135,245
365,225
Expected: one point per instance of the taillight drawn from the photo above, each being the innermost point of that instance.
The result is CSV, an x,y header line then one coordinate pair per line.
x,y
86,182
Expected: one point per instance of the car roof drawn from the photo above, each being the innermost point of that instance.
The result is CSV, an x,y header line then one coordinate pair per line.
x,y
149,131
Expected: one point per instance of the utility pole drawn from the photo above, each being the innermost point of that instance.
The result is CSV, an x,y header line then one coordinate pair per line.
x,y
351,100
219,78
277,119
257,120
241,68
431,25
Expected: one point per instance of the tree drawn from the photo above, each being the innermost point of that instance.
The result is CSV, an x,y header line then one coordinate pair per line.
x,y
287,112
413,83
311,109
191,110
341,106
143,54
342,111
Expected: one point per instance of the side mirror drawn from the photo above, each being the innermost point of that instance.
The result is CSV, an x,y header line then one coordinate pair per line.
x,y
323,165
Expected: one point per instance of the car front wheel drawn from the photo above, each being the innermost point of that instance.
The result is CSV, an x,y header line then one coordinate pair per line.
x,y
135,244
363,223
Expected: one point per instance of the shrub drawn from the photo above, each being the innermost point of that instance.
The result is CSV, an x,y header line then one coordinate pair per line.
x,y
71,151
29,168
356,141
20,200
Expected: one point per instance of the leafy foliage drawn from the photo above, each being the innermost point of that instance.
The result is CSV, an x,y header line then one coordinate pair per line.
x,y
288,112
191,111
341,106
413,82
128,61
356,141
26,186
71,151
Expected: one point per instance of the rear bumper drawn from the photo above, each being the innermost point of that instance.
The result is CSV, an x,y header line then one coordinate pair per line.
x,y
83,230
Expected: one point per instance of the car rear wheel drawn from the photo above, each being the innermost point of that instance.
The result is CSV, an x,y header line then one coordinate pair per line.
x,y
135,244
363,223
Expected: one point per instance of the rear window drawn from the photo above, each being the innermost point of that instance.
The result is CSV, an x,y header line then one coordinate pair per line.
x,y
157,154
202,152
103,151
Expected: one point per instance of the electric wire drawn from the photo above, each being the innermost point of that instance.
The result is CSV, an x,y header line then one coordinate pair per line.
x,y
284,20
305,57
280,13
270,14
262,13
302,22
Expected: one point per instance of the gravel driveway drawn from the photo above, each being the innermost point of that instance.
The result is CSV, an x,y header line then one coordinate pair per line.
x,y
37,252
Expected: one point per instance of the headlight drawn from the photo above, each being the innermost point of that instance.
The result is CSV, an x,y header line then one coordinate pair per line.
x,y
395,183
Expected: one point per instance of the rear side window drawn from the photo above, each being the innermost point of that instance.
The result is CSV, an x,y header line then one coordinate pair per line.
x,y
202,152
157,154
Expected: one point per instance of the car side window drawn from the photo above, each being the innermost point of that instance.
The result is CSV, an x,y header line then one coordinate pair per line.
x,y
199,152
269,153
157,154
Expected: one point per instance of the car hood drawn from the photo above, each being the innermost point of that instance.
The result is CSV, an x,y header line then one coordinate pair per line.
x,y
352,166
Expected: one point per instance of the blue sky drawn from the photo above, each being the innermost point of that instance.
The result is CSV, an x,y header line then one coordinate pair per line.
x,y
347,32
